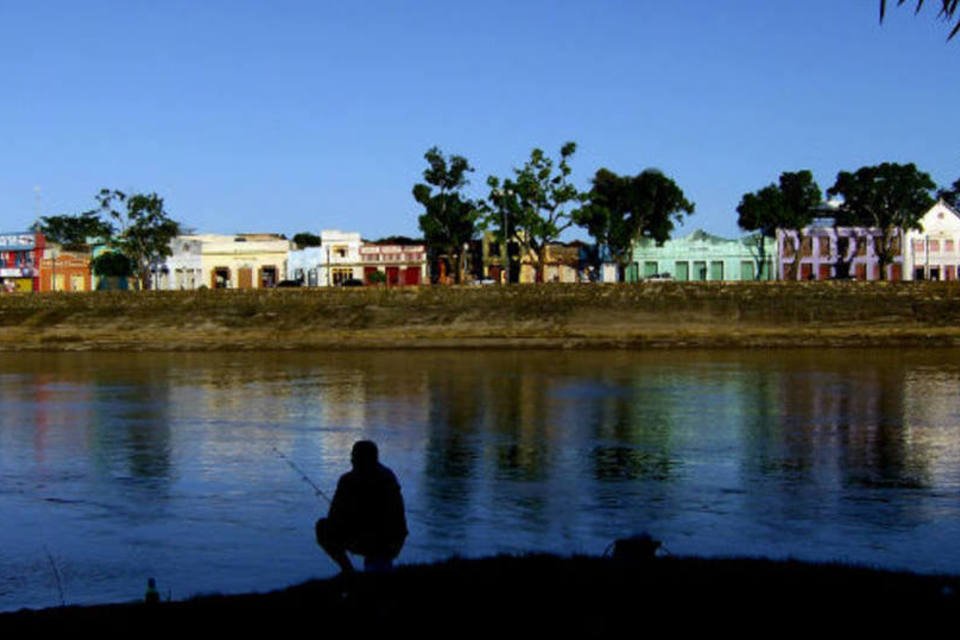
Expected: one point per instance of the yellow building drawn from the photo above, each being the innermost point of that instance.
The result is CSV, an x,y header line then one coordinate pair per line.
x,y
241,261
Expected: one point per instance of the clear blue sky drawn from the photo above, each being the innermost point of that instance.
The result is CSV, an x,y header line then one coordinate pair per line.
x,y
300,116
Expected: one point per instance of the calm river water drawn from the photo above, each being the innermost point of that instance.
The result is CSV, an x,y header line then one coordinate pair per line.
x,y
116,467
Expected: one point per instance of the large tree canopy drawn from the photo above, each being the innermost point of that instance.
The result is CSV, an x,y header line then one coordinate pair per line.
x,y
622,209
449,219
948,8
536,205
72,232
891,197
145,228
791,205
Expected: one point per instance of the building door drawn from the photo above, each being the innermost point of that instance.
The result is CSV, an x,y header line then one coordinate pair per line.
x,y
649,268
746,270
824,273
220,279
76,283
681,270
806,271
393,276
245,278
268,277
699,270
412,276
716,270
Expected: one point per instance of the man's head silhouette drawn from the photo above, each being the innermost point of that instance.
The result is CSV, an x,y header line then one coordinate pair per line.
x,y
364,455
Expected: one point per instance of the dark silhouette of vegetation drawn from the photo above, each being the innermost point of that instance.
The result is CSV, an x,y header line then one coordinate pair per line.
x,y
306,239
145,228
72,232
112,264
952,195
790,205
622,209
948,8
449,219
534,207
890,197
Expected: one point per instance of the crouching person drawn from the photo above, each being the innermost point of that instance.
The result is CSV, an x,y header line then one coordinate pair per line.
x,y
366,516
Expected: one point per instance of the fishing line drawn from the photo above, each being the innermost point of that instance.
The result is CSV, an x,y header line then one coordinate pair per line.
x,y
318,491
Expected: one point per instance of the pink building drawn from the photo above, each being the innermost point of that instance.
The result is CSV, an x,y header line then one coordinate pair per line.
x,y
394,264
825,252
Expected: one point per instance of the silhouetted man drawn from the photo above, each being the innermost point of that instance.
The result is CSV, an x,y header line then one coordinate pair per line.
x,y
366,515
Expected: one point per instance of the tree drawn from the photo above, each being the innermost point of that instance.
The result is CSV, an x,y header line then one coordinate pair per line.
x,y
72,232
790,205
952,195
531,208
890,197
306,239
947,10
112,264
622,209
449,219
145,228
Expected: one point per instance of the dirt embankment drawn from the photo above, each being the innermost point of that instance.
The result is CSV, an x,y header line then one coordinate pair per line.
x,y
542,596
646,315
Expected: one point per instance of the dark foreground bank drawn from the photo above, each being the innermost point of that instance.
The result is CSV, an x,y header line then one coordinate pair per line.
x,y
538,595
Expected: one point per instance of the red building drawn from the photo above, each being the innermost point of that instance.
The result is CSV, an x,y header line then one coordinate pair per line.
x,y
20,255
394,264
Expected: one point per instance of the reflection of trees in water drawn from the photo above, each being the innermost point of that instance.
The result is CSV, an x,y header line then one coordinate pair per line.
x,y
631,421
132,428
817,415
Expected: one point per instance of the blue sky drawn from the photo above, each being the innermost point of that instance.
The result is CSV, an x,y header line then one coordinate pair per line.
x,y
300,116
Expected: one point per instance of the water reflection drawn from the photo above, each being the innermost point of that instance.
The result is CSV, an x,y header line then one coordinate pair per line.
x,y
168,462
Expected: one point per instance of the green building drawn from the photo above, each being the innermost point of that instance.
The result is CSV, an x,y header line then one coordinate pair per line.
x,y
702,256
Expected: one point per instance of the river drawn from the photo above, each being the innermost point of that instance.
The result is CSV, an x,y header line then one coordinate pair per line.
x,y
193,468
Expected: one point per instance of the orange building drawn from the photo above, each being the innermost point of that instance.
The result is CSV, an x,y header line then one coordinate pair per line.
x,y
65,270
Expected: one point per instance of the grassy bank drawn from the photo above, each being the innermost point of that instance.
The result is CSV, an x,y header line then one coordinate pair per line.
x,y
545,596
646,315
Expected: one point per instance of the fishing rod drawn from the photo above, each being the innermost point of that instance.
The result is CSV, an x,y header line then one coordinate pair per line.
x,y
303,475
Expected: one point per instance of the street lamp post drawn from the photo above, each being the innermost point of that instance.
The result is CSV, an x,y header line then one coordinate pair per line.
x,y
505,243
54,253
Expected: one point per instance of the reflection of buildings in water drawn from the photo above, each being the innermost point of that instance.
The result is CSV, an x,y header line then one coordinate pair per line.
x,y
848,420
52,413
932,409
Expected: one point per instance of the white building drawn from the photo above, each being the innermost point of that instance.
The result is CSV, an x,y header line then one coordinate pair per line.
x,y
340,257
240,261
934,252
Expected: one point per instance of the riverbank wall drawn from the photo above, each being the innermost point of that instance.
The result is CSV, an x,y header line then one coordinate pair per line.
x,y
571,316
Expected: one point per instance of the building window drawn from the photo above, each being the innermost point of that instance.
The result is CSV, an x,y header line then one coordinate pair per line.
x,y
340,251
806,246
948,246
934,247
824,246
918,246
340,275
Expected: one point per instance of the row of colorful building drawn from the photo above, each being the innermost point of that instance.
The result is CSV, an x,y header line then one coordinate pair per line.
x,y
821,251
